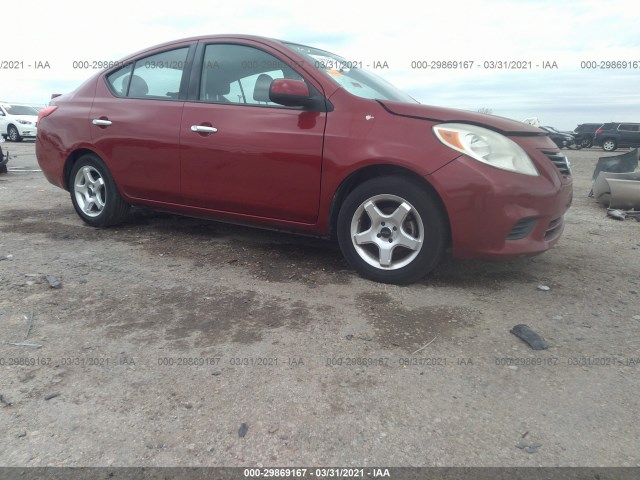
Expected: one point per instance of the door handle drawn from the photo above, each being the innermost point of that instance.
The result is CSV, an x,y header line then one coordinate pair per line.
x,y
203,129
101,122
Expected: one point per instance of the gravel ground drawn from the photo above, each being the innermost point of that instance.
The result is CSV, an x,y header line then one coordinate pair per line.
x,y
169,333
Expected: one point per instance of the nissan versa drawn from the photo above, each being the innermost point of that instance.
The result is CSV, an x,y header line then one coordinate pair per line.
x,y
280,135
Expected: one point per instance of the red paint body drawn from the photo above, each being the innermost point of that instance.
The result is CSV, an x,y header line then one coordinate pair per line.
x,y
283,168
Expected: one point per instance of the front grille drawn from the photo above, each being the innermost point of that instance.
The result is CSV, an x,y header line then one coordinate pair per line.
x,y
554,229
522,228
561,162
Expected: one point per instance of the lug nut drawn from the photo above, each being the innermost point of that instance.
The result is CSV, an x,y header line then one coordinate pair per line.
x,y
390,240
382,224
379,235
395,228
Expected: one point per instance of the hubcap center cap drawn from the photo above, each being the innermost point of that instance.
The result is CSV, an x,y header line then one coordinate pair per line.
x,y
385,232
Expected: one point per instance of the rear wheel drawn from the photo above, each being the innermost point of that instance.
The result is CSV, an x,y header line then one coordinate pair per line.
x,y
13,134
94,193
391,230
609,145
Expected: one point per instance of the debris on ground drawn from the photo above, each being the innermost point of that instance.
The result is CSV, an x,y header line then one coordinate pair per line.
x,y
5,402
616,214
54,282
529,448
622,214
530,337
244,428
30,320
23,344
544,288
216,373
51,395
422,348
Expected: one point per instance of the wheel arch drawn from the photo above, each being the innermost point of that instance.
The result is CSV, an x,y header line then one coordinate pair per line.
x,y
71,159
380,170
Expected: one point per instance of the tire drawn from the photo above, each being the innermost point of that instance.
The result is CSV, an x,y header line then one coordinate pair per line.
x,y
586,143
609,145
94,193
13,134
394,212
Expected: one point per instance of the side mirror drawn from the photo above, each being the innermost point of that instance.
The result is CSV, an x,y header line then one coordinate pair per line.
x,y
291,93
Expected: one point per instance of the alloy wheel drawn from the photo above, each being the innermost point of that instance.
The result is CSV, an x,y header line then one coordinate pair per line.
x,y
387,232
90,191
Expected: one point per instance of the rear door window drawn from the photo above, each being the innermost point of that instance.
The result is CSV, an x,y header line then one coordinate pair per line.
x,y
155,77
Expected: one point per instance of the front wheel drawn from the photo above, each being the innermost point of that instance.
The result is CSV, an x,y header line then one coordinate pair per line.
x,y
94,193
391,230
609,145
586,143
13,134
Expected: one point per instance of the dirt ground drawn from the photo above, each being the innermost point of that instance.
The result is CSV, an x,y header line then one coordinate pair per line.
x,y
169,333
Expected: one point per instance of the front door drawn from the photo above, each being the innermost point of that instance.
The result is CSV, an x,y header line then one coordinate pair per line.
x,y
242,153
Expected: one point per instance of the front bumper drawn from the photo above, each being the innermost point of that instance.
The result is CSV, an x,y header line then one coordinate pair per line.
x,y
27,130
495,213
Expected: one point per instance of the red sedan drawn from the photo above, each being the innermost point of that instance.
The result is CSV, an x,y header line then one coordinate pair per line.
x,y
275,134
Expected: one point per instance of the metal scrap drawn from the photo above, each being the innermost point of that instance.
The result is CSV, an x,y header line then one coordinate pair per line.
x,y
616,185
618,190
623,163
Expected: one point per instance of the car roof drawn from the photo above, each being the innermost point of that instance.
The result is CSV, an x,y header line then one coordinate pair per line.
x,y
229,37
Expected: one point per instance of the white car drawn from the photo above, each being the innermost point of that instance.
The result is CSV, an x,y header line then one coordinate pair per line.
x,y
18,121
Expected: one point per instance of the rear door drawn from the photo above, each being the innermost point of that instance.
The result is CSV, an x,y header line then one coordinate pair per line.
x,y
136,124
629,134
264,160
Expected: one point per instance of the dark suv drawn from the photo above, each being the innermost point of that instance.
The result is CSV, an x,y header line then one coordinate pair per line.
x,y
584,133
613,135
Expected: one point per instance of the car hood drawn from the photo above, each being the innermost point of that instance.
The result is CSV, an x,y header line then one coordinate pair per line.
x,y
450,115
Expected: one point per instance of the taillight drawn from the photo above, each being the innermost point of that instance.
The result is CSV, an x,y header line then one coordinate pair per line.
x,y
45,112
599,131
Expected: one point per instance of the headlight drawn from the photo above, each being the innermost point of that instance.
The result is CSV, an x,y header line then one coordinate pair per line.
x,y
486,146
24,122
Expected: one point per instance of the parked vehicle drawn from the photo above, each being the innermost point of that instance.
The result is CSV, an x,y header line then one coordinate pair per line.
x,y
18,121
561,139
613,135
254,130
583,134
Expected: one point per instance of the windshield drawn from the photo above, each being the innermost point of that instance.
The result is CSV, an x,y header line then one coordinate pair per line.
x,y
20,110
350,75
